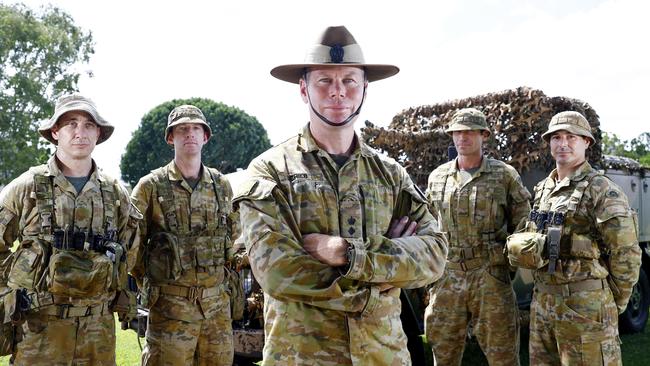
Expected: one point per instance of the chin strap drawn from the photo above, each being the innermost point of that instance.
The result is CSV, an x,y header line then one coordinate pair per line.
x,y
347,120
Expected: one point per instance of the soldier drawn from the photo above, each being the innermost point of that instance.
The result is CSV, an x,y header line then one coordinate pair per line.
x,y
334,229
186,237
581,240
479,201
74,225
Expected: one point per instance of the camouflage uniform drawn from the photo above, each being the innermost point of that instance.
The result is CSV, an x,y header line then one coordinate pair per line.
x,y
574,313
315,313
186,240
71,261
71,321
477,215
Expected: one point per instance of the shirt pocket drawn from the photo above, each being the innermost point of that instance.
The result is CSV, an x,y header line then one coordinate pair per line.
x,y
313,203
378,202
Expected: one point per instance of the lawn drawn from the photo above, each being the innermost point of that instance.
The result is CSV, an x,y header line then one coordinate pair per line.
x,y
128,350
634,349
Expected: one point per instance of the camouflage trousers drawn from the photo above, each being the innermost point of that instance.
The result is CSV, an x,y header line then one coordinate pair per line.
x,y
48,340
175,342
579,329
482,298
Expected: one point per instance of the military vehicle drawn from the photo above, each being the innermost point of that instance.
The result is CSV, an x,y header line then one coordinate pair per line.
x,y
517,117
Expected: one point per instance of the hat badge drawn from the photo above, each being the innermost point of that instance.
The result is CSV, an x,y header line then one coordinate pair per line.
x,y
336,53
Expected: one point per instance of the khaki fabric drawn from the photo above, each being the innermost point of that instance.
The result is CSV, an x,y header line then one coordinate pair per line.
x,y
193,323
581,329
20,220
602,223
314,313
477,215
172,342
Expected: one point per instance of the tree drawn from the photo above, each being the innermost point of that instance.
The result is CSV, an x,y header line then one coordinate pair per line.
x,y
637,148
40,53
236,139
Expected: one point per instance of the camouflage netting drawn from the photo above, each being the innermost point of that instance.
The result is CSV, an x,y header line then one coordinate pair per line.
x,y
517,118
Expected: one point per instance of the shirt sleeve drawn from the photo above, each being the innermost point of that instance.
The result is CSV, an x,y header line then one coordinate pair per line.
x,y
405,262
141,197
617,225
282,268
518,203
128,230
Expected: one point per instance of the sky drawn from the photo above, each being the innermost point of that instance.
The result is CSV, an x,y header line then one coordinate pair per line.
x,y
149,52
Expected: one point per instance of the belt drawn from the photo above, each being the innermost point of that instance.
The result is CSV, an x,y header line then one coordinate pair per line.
x,y
64,311
467,252
192,293
572,288
466,264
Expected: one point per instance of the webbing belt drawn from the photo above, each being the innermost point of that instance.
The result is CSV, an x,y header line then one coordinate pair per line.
x,y
191,293
572,288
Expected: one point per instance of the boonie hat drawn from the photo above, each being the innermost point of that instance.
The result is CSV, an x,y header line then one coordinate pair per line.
x,y
75,102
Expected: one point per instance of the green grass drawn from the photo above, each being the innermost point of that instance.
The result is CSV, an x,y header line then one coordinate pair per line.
x,y
634,348
128,351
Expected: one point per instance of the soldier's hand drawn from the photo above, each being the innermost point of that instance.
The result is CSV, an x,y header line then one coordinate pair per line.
x,y
402,227
328,249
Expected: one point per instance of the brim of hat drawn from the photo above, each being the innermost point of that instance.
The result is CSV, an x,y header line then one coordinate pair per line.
x,y
467,128
292,73
168,130
105,128
569,128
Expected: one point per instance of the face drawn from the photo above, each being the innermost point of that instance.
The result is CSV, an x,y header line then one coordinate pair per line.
x,y
335,92
188,138
76,134
568,149
470,142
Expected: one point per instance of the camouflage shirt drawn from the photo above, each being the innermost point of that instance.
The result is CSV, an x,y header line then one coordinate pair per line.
x,y
194,210
320,314
480,211
20,218
599,240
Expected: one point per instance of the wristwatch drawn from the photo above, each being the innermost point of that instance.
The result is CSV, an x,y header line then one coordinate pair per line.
x,y
349,254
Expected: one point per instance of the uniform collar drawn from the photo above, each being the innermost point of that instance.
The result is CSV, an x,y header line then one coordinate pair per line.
x,y
60,180
54,170
453,167
174,174
306,143
579,174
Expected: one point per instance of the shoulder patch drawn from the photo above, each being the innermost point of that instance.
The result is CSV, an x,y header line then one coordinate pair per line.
x,y
612,194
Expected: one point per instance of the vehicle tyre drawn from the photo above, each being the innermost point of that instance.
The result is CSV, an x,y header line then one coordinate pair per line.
x,y
634,319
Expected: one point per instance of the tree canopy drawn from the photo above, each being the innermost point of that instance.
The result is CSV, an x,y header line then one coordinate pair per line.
x,y
637,148
40,55
236,139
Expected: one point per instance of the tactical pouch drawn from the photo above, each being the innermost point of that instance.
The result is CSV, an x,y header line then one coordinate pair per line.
x,y
119,280
28,265
525,250
162,258
79,274
209,250
125,305
235,290
6,329
583,247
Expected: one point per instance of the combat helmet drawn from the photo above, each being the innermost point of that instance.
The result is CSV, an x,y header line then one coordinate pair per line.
x,y
467,119
570,121
186,114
